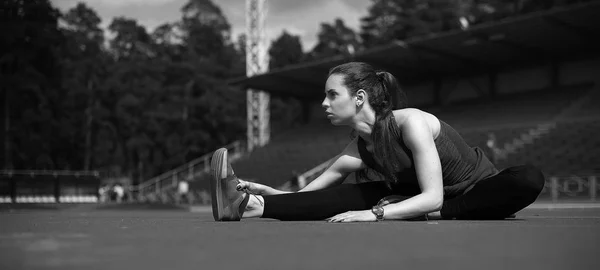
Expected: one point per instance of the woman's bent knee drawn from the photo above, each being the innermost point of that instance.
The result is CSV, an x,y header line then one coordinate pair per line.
x,y
531,180
528,179
536,177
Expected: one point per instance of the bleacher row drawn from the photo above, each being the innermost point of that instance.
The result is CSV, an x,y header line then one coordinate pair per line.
x,y
569,148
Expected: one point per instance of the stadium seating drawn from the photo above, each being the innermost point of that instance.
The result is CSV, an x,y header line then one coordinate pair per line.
x,y
572,148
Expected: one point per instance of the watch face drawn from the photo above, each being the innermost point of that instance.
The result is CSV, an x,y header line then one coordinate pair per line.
x,y
378,211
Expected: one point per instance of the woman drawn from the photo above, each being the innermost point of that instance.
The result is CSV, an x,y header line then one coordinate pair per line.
x,y
429,170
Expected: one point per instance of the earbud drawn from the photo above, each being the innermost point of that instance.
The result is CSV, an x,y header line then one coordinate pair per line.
x,y
359,100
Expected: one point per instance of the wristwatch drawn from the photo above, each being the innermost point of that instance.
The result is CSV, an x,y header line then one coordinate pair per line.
x,y
378,212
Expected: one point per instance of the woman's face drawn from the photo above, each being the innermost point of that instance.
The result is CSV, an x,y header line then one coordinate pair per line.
x,y
339,105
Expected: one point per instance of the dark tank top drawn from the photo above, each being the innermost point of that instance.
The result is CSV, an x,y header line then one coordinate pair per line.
x,y
462,165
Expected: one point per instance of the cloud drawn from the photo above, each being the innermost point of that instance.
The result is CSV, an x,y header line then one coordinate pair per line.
x,y
359,5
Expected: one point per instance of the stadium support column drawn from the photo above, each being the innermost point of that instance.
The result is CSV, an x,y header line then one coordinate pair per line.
x,y
258,127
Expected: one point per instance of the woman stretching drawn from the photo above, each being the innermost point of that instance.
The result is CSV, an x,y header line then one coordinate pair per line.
x,y
429,170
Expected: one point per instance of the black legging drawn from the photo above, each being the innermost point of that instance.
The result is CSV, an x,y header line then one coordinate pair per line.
x,y
496,197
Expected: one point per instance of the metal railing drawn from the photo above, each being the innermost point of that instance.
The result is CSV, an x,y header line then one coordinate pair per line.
x,y
186,172
571,188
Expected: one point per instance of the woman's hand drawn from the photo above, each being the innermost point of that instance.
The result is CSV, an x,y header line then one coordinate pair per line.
x,y
353,216
253,188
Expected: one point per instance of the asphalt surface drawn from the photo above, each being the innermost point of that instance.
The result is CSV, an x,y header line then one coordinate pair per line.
x,y
140,238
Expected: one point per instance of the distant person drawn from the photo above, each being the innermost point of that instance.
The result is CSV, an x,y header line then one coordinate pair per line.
x,y
103,193
183,189
429,171
119,192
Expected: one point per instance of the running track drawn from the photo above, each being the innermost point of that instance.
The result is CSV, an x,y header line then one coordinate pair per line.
x,y
124,237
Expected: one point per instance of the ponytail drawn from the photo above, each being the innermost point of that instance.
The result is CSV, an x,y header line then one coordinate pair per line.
x,y
386,134
392,89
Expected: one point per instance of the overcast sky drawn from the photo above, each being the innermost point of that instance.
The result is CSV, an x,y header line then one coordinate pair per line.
x,y
299,17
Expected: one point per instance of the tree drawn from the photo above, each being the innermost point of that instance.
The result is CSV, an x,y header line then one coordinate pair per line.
x,y
335,39
167,42
390,20
131,40
30,82
285,50
386,21
83,61
206,30
141,106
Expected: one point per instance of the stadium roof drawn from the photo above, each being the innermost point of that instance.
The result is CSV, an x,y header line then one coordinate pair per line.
x,y
535,38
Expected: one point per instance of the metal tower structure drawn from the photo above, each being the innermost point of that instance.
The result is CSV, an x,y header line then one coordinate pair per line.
x,y
257,62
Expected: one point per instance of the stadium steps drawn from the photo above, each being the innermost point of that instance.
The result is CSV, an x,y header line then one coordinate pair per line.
x,y
526,138
542,129
572,148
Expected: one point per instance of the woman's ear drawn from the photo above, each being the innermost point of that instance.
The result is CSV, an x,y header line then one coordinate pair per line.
x,y
360,97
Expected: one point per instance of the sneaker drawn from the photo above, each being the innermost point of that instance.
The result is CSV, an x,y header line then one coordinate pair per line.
x,y
226,200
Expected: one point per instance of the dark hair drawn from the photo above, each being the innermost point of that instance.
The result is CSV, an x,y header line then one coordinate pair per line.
x,y
385,95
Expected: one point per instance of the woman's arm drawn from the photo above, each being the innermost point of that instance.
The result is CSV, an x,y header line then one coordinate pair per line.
x,y
343,165
418,138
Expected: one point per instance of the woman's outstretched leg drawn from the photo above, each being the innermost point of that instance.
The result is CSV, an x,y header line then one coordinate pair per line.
x,y
231,204
497,197
325,203
313,205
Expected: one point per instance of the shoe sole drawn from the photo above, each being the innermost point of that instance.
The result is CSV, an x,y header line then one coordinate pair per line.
x,y
218,167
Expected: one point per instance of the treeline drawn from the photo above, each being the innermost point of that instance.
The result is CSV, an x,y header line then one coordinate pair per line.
x,y
141,102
